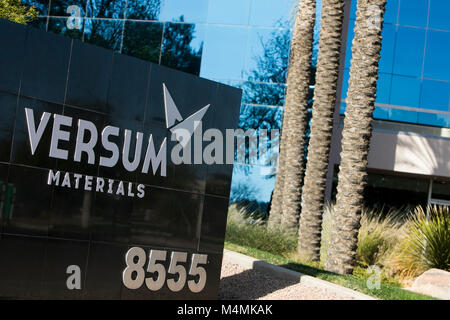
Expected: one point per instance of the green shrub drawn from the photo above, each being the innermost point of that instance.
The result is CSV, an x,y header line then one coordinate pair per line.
x,y
14,10
244,230
426,243
362,273
399,243
377,236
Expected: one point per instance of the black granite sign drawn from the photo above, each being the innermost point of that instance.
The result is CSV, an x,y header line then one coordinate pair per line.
x,y
94,200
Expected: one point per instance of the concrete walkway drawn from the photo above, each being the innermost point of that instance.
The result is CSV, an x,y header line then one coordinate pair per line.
x,y
244,277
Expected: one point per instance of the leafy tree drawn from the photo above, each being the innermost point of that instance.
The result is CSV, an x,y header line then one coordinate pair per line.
x,y
143,9
265,86
104,33
14,10
177,51
142,39
106,8
271,67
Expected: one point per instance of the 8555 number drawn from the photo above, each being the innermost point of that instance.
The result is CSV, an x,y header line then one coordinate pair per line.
x,y
135,260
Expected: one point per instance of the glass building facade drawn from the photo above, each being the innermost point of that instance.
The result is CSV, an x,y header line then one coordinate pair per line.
x,y
414,70
245,43
223,40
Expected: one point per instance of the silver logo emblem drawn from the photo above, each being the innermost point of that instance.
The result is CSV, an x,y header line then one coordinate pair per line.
x,y
185,128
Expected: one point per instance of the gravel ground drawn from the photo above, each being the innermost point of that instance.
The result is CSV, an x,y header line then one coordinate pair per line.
x,y
238,282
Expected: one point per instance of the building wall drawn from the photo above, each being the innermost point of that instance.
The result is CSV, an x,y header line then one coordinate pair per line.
x,y
245,43
412,109
405,151
414,69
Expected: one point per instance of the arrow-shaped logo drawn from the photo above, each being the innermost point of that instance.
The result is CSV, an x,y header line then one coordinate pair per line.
x,y
185,128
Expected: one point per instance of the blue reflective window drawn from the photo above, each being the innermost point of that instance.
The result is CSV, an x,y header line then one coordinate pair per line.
x,y
143,9
405,91
403,115
39,23
409,51
413,13
383,88
104,33
381,113
142,40
233,83
383,93
41,5
223,56
259,117
182,47
59,7
263,93
59,25
353,9
192,10
345,79
267,55
270,13
229,11
387,48
348,50
254,180
106,9
433,119
439,15
391,13
437,62
388,35
268,118
435,95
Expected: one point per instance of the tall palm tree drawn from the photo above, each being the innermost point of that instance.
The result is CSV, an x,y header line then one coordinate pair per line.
x,y
313,191
356,135
290,170
285,206
276,211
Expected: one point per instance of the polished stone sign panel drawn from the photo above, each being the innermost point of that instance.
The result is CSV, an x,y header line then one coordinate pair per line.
x,y
92,205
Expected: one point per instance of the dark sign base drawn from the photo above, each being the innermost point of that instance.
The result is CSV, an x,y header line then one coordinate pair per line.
x,y
59,241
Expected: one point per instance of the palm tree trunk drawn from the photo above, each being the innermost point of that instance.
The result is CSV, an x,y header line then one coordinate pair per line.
x,y
294,117
277,196
296,109
356,135
313,191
